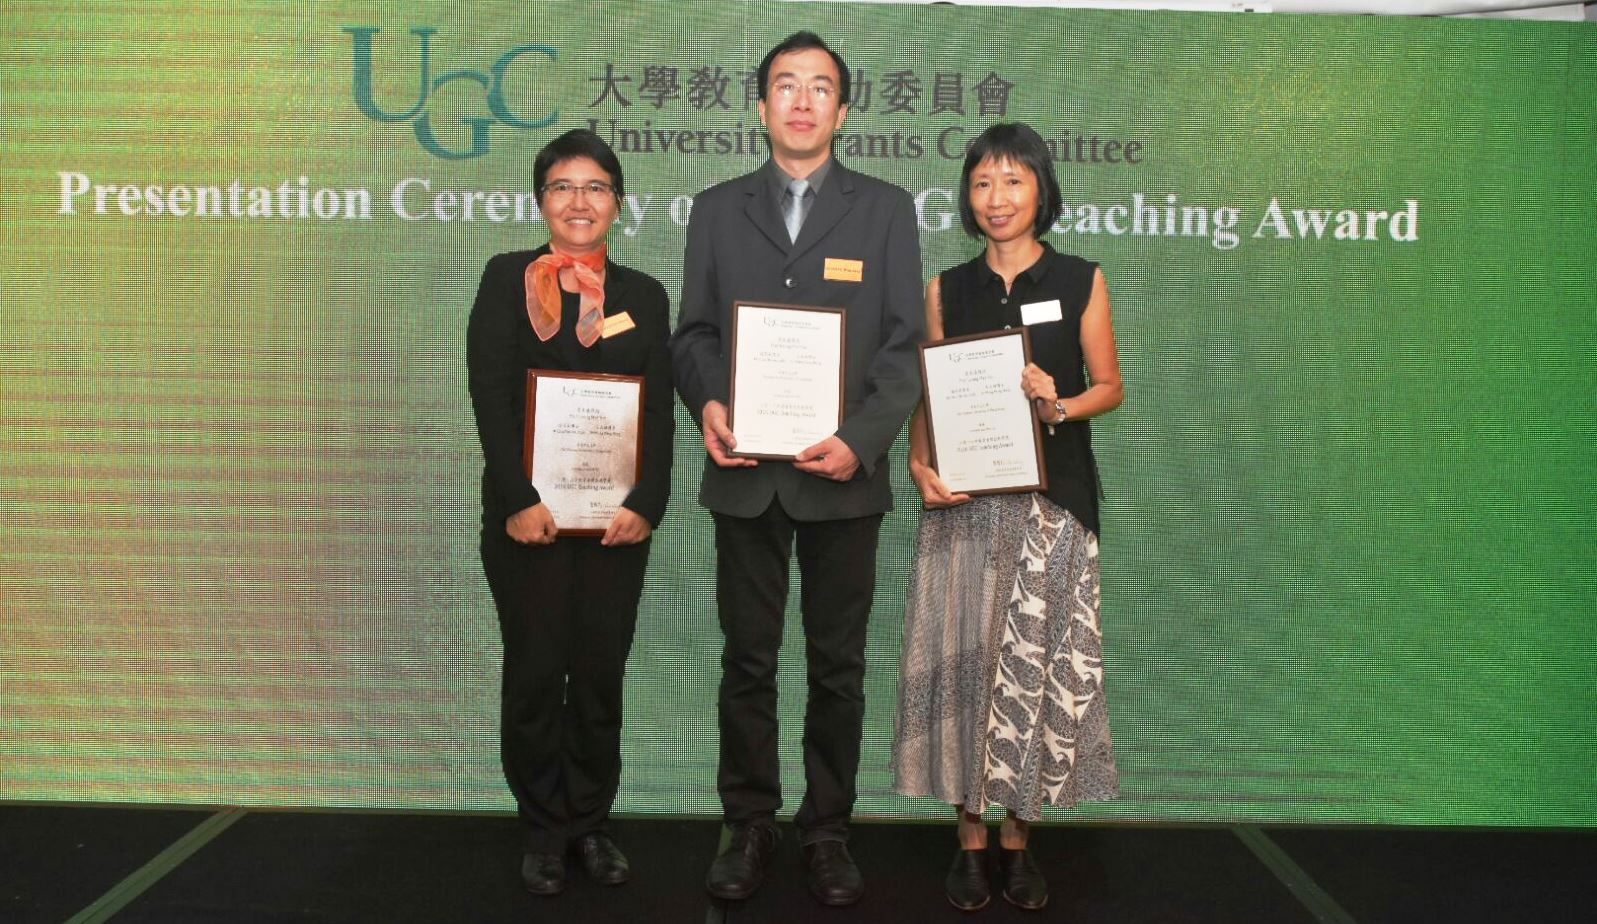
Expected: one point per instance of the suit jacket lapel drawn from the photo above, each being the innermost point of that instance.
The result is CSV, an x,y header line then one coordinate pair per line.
x,y
763,212
832,202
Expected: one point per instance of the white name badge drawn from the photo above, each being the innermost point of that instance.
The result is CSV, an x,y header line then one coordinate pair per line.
x,y
1041,312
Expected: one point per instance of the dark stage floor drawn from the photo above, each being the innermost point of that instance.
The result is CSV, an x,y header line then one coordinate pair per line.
x,y
86,864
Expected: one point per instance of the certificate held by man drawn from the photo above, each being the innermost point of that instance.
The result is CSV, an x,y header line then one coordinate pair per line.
x,y
984,436
787,378
583,449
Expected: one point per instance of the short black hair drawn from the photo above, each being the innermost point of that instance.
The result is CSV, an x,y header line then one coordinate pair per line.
x,y
1018,142
579,142
802,41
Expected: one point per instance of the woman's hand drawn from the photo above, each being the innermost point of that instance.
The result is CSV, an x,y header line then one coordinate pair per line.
x,y
626,528
532,526
1039,387
1037,384
933,493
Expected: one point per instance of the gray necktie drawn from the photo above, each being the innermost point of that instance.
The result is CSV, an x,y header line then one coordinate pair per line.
x,y
795,205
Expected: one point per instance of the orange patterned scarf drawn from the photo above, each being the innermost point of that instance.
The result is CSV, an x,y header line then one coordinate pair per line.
x,y
543,293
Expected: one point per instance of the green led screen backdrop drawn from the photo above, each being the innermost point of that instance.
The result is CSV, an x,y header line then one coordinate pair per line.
x,y
1348,543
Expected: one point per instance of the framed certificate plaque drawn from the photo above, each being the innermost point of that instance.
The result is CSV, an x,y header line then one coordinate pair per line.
x,y
984,437
584,445
787,378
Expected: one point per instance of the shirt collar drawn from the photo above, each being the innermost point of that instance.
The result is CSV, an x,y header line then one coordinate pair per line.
x,y
1033,273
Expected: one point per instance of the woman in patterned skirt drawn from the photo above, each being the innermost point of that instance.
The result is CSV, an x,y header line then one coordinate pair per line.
x,y
1001,699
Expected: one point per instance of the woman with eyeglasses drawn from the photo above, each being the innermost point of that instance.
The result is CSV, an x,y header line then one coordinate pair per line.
x,y
1001,699
567,605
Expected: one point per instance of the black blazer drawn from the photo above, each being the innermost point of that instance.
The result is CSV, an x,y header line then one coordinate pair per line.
x,y
501,346
738,249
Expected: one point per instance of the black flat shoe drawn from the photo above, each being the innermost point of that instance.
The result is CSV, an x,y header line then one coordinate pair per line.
x,y
740,868
967,880
833,878
1024,885
543,873
602,859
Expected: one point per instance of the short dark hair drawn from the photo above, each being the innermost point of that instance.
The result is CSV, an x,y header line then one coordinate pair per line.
x,y
579,142
802,41
1018,142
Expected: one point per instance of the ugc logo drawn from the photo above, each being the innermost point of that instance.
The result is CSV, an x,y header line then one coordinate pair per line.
x,y
492,85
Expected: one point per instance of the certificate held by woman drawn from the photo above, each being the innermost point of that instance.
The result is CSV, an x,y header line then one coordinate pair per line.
x,y
984,436
584,445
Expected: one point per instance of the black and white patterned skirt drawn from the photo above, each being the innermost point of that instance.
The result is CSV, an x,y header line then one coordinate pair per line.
x,y
1000,698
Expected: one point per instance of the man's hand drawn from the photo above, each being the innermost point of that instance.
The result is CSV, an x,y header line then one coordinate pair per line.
x,y
627,528
830,458
533,526
718,438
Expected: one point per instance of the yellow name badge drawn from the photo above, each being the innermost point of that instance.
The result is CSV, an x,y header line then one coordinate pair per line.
x,y
844,270
616,324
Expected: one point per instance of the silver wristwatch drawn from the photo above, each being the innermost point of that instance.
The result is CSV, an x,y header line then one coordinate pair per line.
x,y
1059,408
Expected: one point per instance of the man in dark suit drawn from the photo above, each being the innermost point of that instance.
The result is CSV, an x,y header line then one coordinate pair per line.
x,y
837,239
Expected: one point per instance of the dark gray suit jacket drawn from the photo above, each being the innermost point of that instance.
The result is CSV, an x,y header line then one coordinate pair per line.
x,y
738,250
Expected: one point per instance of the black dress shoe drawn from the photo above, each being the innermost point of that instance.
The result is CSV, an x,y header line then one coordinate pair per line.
x,y
602,859
1024,885
833,877
967,880
543,873
740,868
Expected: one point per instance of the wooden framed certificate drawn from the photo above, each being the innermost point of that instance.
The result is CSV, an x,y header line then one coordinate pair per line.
x,y
787,378
984,437
584,445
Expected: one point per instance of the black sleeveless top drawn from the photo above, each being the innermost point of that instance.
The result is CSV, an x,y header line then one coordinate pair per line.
x,y
974,302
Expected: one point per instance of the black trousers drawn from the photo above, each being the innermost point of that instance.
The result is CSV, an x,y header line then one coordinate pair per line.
x,y
566,615
837,570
